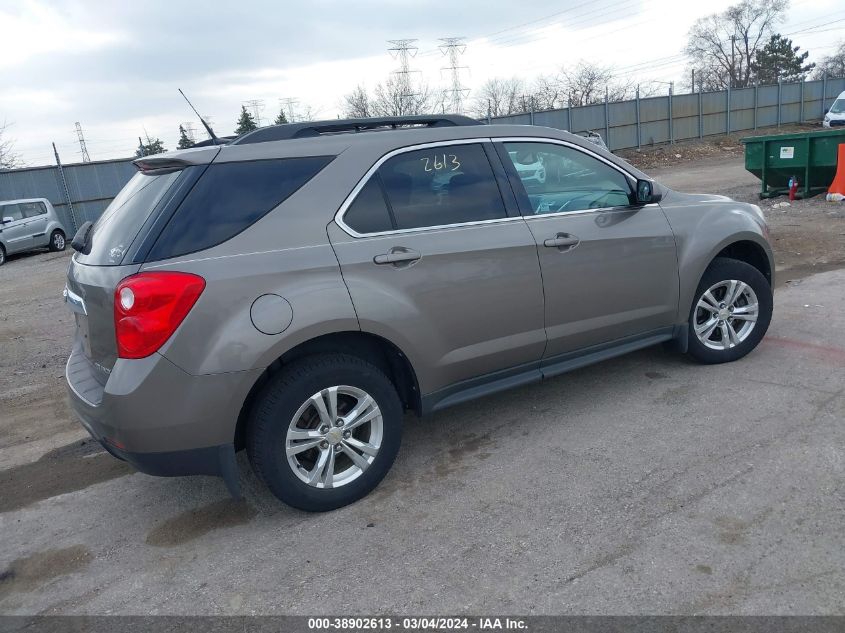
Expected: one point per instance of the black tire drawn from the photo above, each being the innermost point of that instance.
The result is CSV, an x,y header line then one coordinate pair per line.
x,y
724,269
58,241
2,255
282,397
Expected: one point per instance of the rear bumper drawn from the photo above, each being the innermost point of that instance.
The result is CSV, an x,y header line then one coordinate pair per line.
x,y
158,417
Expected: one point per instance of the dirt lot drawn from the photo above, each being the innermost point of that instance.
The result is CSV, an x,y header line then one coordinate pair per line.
x,y
653,486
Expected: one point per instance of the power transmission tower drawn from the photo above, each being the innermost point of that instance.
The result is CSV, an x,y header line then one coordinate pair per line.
x,y
453,48
190,131
288,104
257,107
403,50
83,149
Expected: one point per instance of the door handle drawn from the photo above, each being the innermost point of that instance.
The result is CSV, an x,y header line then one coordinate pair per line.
x,y
563,241
397,255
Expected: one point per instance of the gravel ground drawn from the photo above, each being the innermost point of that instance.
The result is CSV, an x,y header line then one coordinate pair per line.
x,y
645,484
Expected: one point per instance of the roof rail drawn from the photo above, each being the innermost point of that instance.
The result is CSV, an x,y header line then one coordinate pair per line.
x,y
318,128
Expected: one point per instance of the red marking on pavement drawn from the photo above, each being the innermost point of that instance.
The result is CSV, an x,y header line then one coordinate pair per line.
x,y
834,354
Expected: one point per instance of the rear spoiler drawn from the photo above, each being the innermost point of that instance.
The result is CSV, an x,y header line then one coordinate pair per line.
x,y
174,161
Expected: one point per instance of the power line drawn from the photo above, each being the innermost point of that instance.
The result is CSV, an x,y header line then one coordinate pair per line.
x,y
82,147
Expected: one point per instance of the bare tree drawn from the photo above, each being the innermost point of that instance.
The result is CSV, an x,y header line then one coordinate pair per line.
x,y
587,83
547,93
722,46
357,104
398,97
9,158
498,97
833,65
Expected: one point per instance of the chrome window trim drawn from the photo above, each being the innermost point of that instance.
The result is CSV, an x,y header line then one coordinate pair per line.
x,y
347,202
338,218
555,141
558,214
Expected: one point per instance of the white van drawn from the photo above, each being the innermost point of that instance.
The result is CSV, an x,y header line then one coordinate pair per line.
x,y
836,115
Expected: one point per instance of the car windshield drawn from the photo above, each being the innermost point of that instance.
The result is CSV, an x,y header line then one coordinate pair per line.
x,y
838,107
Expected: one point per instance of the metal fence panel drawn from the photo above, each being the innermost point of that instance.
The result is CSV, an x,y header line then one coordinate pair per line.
x,y
91,187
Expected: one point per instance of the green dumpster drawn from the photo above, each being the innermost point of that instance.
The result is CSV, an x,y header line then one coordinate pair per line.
x,y
809,156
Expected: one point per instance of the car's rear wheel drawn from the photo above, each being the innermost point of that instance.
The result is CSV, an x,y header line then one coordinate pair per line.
x,y
325,431
731,312
57,241
2,255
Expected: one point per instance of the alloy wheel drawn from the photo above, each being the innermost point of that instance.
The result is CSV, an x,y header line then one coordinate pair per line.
x,y
334,436
58,241
725,314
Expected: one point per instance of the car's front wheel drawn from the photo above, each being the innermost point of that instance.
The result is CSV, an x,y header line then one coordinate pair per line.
x,y
730,313
57,241
2,255
325,431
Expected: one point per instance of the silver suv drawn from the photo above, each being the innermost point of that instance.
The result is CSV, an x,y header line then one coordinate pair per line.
x,y
29,224
294,291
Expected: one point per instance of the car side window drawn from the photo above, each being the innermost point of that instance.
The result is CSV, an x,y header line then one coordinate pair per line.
x,y
33,209
451,184
368,213
558,178
13,211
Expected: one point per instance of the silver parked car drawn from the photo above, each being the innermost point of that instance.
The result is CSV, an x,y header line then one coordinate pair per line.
x,y
297,289
29,224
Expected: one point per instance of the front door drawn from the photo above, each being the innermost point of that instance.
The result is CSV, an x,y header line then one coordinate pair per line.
x,y
609,267
16,234
435,263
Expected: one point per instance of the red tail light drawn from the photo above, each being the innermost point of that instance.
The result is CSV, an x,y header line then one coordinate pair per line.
x,y
148,307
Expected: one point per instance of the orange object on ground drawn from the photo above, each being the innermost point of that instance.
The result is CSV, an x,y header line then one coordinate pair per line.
x,y
838,184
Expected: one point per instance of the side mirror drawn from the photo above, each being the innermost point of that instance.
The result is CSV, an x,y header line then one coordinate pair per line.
x,y
7,219
645,192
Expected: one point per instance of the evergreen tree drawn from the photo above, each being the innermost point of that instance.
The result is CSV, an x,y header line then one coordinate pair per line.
x,y
184,141
246,123
152,146
281,119
779,60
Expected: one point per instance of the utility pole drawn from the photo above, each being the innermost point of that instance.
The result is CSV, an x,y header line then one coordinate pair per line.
x,y
403,50
733,62
64,187
453,48
83,149
692,81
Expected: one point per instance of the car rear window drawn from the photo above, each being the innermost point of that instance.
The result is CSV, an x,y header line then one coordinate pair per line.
x,y
115,230
230,197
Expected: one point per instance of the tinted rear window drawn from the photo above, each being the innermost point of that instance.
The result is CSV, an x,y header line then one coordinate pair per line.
x,y
120,223
230,197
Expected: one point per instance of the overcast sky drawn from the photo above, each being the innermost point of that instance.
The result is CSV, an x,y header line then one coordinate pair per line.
x,y
115,66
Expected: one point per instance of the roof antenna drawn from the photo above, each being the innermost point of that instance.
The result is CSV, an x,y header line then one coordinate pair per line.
x,y
207,127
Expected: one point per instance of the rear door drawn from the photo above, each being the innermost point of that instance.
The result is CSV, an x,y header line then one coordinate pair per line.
x,y
437,262
36,215
609,268
16,235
